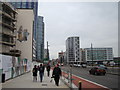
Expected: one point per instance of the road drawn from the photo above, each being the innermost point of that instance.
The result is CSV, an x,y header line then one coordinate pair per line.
x,y
109,80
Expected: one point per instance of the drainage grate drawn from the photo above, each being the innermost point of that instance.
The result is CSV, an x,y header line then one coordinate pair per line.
x,y
44,84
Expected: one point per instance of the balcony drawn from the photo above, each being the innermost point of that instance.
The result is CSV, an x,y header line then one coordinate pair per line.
x,y
15,52
4,14
8,26
8,6
8,34
7,43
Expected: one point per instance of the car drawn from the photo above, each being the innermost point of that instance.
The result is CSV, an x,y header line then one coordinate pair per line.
x,y
78,65
84,65
102,66
75,65
61,64
97,71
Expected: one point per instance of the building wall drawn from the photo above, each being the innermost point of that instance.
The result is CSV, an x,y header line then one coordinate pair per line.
x,y
99,54
72,50
25,19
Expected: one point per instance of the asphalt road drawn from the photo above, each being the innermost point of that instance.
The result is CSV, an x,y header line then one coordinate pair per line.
x,y
109,80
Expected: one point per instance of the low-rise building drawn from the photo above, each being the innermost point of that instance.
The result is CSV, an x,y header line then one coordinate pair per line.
x,y
98,55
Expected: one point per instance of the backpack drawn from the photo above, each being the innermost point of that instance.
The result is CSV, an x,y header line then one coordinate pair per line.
x,y
41,69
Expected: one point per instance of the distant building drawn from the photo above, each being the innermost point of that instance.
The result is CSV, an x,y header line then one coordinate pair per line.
x,y
72,50
61,56
99,54
40,38
82,55
45,53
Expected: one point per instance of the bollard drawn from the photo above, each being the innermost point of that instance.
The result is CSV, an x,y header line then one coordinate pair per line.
x,y
3,77
80,85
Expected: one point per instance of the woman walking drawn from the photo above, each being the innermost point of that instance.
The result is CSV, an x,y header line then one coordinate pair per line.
x,y
35,73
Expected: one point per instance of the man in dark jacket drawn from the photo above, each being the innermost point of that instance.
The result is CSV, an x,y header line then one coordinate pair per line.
x,y
48,69
35,73
41,72
56,74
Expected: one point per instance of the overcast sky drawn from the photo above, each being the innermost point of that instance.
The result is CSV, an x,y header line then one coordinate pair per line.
x,y
93,22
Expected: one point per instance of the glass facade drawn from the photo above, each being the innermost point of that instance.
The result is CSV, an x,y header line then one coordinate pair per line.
x,y
40,38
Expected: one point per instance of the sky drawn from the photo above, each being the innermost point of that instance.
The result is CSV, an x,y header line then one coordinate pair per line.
x,y
93,22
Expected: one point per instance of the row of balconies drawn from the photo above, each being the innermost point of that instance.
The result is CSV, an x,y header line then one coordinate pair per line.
x,y
7,15
8,9
7,22
11,27
12,52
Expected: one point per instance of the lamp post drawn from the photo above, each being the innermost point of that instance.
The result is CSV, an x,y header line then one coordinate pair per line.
x,y
47,51
92,54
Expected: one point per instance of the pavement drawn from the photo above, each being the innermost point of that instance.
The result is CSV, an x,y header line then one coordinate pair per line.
x,y
26,81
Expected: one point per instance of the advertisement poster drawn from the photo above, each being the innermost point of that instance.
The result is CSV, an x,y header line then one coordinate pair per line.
x,y
7,65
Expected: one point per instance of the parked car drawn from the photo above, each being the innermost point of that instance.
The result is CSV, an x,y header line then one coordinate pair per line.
x,y
78,65
84,65
75,65
61,64
102,66
97,71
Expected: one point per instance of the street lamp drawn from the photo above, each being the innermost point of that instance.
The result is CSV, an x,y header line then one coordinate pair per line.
x,y
47,51
92,54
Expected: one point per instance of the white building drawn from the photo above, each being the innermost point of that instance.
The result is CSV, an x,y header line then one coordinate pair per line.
x,y
25,22
72,50
98,54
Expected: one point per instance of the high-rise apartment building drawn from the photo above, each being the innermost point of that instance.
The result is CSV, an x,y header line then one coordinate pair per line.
x,y
40,38
72,50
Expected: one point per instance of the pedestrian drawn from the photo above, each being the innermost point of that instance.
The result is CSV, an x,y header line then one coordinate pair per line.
x,y
35,73
56,74
48,69
41,70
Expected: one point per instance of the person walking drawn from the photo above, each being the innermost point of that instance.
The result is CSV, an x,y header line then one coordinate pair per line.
x,y
35,73
56,74
41,71
48,69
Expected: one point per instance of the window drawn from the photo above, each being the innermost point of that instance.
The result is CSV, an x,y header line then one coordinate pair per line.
x,y
24,5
